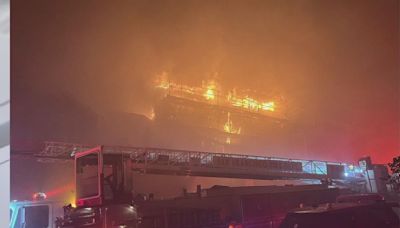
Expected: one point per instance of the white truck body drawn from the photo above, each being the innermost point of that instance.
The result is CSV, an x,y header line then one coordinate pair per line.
x,y
34,214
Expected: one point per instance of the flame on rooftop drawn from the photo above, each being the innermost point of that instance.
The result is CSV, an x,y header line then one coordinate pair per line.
x,y
211,92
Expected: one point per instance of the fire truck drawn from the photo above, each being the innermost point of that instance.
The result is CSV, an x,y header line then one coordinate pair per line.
x,y
103,176
102,192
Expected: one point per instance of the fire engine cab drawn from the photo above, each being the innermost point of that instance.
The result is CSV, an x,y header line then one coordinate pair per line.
x,y
37,213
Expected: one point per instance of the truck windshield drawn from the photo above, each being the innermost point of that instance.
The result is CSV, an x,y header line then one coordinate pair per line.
x,y
87,176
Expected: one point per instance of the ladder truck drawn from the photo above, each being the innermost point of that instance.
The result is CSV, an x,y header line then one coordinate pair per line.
x,y
102,192
103,176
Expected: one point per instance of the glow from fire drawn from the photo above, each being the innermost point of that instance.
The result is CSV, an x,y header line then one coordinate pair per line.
x,y
228,126
210,92
73,202
250,103
172,88
162,81
152,114
268,106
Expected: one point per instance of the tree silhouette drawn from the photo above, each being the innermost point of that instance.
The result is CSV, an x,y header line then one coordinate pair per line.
x,y
395,168
395,165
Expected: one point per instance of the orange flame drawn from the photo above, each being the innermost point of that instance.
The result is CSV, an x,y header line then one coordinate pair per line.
x,y
210,90
228,126
209,93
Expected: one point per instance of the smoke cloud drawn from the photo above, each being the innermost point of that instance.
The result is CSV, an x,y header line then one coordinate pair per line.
x,y
336,63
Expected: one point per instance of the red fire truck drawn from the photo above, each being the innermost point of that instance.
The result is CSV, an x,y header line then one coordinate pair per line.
x,y
102,193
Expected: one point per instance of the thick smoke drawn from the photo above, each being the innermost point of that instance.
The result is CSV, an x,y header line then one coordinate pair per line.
x,y
336,63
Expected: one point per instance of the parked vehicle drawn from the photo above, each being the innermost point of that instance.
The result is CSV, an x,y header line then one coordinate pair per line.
x,y
34,214
377,214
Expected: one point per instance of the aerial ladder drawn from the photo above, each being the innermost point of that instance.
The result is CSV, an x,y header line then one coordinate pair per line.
x,y
210,164
104,174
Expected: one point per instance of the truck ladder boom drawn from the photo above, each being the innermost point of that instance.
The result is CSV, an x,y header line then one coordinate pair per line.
x,y
197,163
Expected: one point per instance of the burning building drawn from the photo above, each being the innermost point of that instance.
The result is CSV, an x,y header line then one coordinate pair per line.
x,y
218,119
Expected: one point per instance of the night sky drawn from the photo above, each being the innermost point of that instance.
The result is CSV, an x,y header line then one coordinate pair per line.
x,y
336,62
